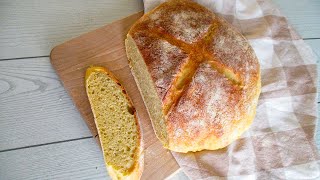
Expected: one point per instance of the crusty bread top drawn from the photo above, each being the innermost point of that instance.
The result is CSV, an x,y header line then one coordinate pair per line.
x,y
205,73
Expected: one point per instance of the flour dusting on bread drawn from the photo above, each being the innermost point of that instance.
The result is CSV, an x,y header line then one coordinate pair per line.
x,y
206,75
186,26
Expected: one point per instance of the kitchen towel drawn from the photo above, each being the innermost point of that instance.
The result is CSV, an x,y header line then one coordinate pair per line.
x,y
280,143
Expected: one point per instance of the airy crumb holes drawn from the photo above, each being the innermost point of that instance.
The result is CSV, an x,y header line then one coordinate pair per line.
x,y
130,110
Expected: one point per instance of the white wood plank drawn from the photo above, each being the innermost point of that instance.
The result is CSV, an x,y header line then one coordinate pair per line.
x,y
34,107
303,15
33,28
81,159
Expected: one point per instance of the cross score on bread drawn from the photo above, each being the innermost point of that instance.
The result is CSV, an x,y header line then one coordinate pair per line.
x,y
198,72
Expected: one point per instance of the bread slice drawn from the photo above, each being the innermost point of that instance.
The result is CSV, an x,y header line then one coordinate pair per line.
x,y
117,124
198,76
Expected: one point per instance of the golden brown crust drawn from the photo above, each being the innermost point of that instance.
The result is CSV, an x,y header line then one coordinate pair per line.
x,y
205,72
137,169
158,56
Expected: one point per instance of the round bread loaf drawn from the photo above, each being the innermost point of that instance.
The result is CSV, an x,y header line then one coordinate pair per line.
x,y
199,77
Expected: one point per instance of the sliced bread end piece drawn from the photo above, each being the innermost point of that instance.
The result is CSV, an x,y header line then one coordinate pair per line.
x,y
117,124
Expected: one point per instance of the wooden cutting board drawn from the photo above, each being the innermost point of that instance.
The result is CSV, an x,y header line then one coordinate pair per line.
x,y
105,47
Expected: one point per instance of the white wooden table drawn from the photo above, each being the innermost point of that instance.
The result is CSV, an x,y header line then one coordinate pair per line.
x,y
42,135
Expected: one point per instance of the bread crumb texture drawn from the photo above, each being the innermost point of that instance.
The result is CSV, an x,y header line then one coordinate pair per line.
x,y
115,120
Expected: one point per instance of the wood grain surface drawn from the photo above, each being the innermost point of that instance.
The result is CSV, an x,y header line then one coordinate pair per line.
x,y
105,47
81,159
34,107
32,28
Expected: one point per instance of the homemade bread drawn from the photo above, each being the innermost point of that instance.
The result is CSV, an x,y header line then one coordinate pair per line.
x,y
199,77
117,124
